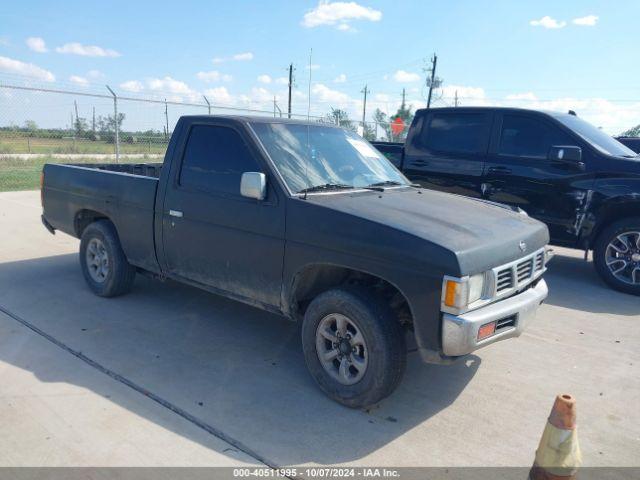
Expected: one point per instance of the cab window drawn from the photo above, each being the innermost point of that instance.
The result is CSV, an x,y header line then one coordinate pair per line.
x,y
215,159
523,136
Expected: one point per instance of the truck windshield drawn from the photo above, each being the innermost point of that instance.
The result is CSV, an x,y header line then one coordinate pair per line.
x,y
314,158
596,137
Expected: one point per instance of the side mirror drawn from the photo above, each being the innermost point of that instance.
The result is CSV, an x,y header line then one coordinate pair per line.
x,y
566,155
253,185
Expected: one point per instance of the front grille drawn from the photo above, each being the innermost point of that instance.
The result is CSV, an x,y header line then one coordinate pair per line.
x,y
506,322
504,280
524,270
518,274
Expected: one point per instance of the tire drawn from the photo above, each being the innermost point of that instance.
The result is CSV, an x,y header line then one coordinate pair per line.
x,y
107,272
607,243
381,343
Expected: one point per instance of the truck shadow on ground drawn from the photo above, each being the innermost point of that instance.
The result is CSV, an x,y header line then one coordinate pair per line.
x,y
234,367
574,283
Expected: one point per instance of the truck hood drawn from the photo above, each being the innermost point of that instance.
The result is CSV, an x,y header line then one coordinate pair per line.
x,y
479,234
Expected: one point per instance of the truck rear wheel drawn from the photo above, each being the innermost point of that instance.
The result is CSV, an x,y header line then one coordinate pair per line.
x,y
616,255
104,264
353,346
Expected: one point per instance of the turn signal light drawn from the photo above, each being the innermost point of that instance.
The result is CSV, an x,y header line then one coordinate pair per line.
x,y
486,330
450,293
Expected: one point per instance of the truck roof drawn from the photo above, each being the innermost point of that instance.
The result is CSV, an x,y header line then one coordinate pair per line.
x,y
495,109
260,119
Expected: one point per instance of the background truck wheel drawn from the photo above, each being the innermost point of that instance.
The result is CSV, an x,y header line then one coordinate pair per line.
x,y
616,255
353,346
104,265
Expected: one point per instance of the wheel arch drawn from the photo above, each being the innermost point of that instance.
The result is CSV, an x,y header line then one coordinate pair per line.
x,y
85,217
613,212
313,279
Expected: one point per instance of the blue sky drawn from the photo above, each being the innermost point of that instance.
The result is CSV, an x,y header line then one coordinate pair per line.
x,y
544,54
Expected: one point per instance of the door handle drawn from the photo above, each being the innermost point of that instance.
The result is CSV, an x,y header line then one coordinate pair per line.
x,y
175,213
420,163
501,170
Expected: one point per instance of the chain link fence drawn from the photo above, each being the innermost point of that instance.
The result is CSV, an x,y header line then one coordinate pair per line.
x,y
45,125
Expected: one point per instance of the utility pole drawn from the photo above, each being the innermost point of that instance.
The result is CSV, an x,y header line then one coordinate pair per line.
x,y
290,87
364,108
93,122
208,104
434,61
75,106
403,99
456,99
166,116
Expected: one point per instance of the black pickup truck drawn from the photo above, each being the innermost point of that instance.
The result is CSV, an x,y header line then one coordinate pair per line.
x,y
561,170
311,222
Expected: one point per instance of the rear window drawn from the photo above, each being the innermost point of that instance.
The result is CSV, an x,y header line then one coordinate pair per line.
x,y
457,133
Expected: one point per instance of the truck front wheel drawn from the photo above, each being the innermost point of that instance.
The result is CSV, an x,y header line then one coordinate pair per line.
x,y
104,264
353,346
616,255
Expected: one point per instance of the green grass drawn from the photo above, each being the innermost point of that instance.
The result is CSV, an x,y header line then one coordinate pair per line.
x,y
19,142
17,174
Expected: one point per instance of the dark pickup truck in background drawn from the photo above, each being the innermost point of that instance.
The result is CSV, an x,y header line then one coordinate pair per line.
x,y
582,183
630,142
311,222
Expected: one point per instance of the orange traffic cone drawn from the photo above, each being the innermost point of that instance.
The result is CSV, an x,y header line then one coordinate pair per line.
x,y
558,456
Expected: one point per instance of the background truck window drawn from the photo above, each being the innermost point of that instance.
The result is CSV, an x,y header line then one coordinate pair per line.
x,y
457,133
529,137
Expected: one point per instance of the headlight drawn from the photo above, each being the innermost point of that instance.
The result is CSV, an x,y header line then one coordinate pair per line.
x,y
459,293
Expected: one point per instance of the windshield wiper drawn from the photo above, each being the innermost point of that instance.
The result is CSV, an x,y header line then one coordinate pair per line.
x,y
326,187
386,183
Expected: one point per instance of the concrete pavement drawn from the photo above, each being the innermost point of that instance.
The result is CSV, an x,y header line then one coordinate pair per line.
x,y
241,371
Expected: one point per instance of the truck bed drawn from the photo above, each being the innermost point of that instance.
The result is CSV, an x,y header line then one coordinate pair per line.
x,y
124,193
143,169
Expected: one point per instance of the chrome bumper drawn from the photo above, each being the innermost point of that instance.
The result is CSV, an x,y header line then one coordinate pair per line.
x,y
460,333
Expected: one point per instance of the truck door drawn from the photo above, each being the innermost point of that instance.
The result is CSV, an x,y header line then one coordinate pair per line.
x,y
519,172
211,234
446,150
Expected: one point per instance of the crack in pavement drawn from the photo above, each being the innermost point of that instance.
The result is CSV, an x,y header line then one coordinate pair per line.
x,y
134,386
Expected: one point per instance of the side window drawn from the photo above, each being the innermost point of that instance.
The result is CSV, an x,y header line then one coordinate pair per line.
x,y
528,137
215,159
457,133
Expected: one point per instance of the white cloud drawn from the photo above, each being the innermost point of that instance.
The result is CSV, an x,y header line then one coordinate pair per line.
x,y
530,96
282,81
95,74
9,65
169,85
313,66
264,79
588,21
548,22
339,14
238,57
243,56
214,76
340,78
219,96
78,80
405,77
76,48
36,44
132,86
324,94
4,41
468,96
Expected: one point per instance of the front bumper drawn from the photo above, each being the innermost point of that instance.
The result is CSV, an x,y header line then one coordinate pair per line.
x,y
460,333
